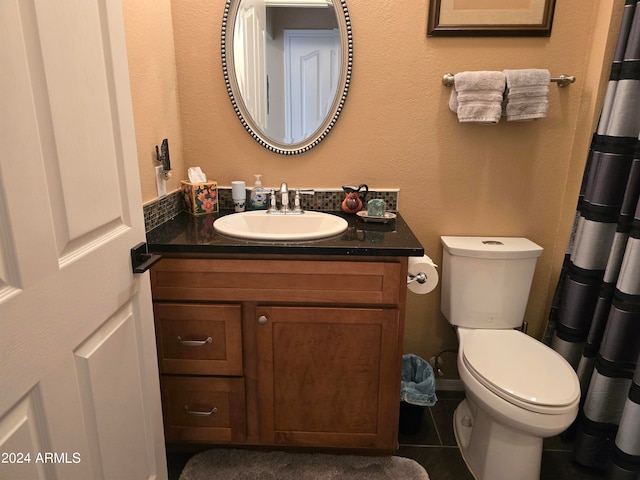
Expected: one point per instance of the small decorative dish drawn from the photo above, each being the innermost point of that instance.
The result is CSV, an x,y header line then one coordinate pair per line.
x,y
388,216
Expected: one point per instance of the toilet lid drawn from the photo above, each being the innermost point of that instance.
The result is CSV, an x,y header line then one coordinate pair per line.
x,y
518,367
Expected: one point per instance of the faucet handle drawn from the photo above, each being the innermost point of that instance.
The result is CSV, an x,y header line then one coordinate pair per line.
x,y
296,203
273,202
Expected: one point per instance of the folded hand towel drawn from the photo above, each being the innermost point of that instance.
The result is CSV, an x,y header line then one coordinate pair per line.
x,y
477,96
527,96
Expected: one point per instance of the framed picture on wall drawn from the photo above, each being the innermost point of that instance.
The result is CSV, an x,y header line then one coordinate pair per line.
x,y
490,18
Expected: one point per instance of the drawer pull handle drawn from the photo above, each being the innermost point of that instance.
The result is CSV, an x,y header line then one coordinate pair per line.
x,y
197,413
194,343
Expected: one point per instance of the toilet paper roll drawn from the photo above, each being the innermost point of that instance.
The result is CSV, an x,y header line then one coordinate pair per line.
x,y
422,275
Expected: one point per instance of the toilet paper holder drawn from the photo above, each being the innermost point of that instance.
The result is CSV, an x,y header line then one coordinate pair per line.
x,y
419,277
422,275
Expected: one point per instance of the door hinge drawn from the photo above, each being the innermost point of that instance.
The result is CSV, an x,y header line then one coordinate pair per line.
x,y
141,259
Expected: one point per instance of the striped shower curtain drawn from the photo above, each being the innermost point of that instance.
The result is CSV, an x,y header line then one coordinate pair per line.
x,y
595,319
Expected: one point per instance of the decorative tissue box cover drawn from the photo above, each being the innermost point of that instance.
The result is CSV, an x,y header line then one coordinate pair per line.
x,y
200,198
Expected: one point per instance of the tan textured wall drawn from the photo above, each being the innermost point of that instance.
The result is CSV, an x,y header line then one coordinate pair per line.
x,y
396,130
154,90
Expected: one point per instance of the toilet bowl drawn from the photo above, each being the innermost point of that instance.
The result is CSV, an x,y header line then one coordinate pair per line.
x,y
512,402
518,391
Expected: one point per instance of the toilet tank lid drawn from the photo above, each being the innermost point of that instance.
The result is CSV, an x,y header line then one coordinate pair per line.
x,y
491,247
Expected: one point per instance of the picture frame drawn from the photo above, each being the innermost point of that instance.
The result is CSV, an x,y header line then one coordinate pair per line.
x,y
490,18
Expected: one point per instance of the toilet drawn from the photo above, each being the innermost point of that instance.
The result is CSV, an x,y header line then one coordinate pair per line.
x,y
517,390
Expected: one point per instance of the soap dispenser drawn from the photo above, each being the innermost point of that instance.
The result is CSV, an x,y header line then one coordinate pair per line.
x,y
258,199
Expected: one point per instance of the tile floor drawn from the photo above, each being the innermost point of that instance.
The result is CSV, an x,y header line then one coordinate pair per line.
x,y
434,447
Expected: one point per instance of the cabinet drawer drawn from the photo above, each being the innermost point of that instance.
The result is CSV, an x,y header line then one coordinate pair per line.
x,y
199,339
203,409
299,281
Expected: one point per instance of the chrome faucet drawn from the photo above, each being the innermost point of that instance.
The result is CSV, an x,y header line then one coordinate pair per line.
x,y
284,196
284,201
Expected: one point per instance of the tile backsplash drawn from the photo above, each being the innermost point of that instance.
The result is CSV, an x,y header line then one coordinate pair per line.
x,y
162,209
165,208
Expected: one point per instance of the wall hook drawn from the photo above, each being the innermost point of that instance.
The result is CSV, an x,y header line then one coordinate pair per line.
x,y
162,155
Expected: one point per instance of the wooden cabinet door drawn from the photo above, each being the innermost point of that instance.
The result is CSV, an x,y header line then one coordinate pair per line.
x,y
328,377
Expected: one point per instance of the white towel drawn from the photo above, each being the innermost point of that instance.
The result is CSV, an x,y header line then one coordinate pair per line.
x,y
477,96
527,96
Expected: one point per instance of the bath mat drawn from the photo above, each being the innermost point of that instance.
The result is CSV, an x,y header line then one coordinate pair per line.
x,y
237,464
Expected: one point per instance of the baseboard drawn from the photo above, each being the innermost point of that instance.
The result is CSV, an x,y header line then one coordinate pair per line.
x,y
449,384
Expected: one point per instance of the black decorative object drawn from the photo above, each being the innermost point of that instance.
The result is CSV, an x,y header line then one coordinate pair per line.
x,y
162,155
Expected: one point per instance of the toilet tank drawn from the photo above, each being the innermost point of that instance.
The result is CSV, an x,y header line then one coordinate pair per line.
x,y
486,280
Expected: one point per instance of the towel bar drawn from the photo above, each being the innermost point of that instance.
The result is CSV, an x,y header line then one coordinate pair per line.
x,y
562,81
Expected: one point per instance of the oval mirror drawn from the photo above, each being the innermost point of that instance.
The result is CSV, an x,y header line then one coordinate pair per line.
x,y
287,67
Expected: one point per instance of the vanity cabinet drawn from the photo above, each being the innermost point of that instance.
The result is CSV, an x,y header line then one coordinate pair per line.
x,y
301,351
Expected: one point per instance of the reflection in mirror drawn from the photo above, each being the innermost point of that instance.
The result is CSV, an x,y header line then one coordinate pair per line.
x,y
287,66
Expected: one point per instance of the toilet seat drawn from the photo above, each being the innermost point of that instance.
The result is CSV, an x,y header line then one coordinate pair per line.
x,y
521,370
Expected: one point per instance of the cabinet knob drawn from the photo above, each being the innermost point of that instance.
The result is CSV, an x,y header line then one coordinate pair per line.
x,y
262,320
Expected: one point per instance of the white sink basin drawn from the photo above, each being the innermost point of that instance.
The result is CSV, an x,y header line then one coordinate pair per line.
x,y
259,225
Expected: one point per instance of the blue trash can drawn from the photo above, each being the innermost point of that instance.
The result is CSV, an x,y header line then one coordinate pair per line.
x,y
417,391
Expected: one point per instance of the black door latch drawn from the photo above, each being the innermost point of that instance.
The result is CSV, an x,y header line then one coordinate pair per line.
x,y
141,259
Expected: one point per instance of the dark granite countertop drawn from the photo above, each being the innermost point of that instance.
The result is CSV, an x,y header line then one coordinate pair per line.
x,y
196,235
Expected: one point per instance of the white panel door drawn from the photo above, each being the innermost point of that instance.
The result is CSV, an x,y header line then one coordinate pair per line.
x,y
312,67
79,393
249,57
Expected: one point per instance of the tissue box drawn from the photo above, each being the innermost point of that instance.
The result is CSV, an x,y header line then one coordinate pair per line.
x,y
200,198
